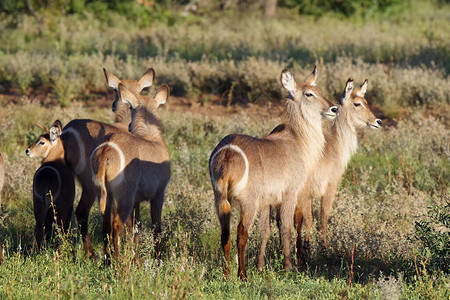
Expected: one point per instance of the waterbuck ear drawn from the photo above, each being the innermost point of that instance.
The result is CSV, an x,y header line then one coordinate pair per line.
x,y
347,91
127,96
161,95
362,89
147,79
288,82
311,80
111,80
55,131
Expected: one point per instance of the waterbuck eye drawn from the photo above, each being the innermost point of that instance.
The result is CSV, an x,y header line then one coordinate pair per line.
x,y
357,104
309,95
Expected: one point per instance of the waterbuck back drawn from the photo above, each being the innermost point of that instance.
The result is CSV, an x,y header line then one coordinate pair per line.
x,y
256,173
53,184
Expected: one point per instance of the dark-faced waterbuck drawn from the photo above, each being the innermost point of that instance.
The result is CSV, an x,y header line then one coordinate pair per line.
x,y
82,136
130,168
257,173
53,184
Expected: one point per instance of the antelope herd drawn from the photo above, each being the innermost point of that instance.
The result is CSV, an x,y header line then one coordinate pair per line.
x,y
124,163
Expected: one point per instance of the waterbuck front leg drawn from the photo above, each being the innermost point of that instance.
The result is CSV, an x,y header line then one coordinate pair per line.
x,y
326,204
137,223
156,211
264,225
298,221
82,213
303,214
287,210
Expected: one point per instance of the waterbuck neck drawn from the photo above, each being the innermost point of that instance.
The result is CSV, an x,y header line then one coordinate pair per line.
x,y
306,125
56,153
122,114
146,124
347,137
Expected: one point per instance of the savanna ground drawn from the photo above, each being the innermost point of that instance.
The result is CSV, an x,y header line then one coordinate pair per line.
x,y
223,68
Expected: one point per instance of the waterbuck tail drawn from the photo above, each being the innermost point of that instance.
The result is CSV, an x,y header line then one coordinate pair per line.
x,y
98,166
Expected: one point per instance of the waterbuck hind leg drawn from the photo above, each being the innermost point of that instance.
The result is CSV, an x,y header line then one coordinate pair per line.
x,y
38,235
326,204
107,233
223,209
245,223
264,225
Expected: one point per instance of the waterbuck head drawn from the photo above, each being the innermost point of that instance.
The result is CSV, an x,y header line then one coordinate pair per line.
x,y
355,108
144,114
133,86
307,95
46,142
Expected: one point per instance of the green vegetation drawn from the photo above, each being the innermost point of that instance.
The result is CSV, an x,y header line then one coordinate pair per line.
x,y
394,198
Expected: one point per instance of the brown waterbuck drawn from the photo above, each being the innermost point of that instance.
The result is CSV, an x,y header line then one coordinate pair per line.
x,y
256,173
130,168
82,136
341,144
53,184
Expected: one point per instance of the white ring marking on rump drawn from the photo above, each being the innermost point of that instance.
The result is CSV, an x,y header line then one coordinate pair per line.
x,y
120,176
56,195
243,182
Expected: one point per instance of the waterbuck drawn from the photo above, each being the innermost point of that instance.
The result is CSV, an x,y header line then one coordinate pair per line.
x,y
82,136
256,173
53,184
130,168
341,144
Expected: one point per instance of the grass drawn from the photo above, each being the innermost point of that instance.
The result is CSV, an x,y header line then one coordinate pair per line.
x,y
375,211
396,175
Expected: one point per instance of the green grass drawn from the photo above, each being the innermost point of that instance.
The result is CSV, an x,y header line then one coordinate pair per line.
x,y
375,211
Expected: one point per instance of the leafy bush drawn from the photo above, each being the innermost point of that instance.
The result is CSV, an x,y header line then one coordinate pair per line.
x,y
434,236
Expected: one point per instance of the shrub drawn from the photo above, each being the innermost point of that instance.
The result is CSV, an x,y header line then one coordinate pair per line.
x,y
433,233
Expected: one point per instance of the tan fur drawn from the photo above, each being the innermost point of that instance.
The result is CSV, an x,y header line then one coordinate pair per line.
x,y
277,167
341,144
53,184
130,168
82,136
